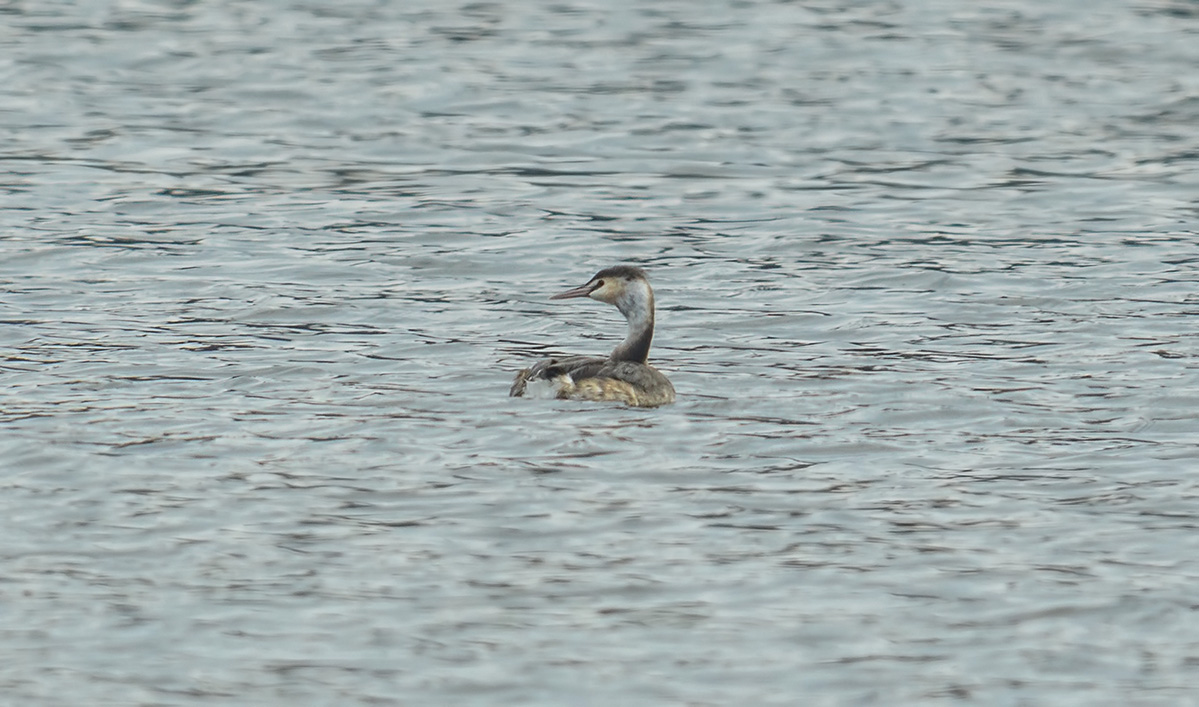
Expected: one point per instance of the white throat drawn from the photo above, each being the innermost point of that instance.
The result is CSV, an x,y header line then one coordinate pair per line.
x,y
636,303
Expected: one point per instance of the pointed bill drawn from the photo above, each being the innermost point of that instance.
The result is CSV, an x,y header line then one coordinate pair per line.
x,y
582,291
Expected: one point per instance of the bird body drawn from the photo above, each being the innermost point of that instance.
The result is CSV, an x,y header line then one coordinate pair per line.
x,y
624,376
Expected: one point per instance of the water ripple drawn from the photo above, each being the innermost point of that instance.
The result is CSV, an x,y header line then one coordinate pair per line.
x,y
925,277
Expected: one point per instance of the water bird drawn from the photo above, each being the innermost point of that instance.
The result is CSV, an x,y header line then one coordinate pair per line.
x,y
624,376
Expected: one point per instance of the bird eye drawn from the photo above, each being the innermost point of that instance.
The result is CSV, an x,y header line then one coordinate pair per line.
x,y
599,284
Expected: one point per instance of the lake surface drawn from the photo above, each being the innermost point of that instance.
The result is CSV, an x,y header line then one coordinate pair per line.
x,y
927,288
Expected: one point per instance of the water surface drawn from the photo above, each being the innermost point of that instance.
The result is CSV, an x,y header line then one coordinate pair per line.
x,y
926,276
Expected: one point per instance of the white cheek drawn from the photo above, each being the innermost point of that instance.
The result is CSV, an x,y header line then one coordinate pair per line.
x,y
608,293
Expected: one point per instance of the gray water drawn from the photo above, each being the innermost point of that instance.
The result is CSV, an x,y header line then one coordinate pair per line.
x,y
926,275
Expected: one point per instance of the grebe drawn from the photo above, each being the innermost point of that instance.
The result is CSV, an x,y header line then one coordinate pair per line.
x,y
624,376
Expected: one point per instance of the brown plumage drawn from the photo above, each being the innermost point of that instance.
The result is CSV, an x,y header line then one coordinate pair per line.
x,y
624,376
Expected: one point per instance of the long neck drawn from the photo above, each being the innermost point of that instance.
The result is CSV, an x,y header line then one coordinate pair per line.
x,y
637,305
